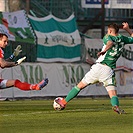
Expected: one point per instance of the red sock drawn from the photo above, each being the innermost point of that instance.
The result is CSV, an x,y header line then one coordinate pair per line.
x,y
24,86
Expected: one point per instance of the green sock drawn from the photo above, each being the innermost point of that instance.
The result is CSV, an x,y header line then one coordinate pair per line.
x,y
115,101
73,93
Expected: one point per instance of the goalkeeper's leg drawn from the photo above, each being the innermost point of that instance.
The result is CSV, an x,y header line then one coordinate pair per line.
x,y
26,86
22,85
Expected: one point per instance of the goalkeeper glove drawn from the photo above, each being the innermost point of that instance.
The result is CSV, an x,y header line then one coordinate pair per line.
x,y
19,61
16,52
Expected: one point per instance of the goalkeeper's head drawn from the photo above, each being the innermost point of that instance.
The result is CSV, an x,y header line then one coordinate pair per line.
x,y
3,40
3,34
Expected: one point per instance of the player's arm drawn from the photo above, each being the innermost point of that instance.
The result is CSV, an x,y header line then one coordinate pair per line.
x,y
108,46
126,27
6,64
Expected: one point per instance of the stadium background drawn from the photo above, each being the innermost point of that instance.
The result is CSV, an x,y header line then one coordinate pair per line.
x,y
32,112
92,18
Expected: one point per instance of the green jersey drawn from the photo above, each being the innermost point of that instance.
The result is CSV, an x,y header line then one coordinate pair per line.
x,y
112,55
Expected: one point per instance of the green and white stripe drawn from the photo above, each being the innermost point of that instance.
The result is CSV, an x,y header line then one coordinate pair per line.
x,y
57,39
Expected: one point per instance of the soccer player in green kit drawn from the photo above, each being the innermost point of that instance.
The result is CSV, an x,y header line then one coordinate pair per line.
x,y
102,70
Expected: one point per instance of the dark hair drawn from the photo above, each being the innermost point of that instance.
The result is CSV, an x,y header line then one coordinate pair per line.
x,y
114,26
3,34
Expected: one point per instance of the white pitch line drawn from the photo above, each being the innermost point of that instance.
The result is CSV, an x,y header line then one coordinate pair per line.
x,y
54,111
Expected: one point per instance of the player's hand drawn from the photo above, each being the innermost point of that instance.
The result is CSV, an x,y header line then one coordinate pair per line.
x,y
17,51
125,25
19,61
100,53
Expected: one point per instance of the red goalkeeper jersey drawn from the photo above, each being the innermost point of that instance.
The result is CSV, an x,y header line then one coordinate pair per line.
x,y
1,53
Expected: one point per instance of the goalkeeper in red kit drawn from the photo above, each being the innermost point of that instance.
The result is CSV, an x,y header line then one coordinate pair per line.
x,y
6,63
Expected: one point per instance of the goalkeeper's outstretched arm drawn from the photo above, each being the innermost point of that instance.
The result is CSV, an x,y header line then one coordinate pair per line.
x,y
6,64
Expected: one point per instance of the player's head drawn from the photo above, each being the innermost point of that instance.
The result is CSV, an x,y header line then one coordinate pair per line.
x,y
113,28
3,40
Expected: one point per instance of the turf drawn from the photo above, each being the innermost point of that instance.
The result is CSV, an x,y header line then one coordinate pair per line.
x,y
83,115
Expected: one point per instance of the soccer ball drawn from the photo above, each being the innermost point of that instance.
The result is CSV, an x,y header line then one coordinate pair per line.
x,y
56,106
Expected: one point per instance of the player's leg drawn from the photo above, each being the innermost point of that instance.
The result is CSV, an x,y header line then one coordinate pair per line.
x,y
114,99
109,82
22,85
113,95
75,90
89,78
4,83
26,86
72,93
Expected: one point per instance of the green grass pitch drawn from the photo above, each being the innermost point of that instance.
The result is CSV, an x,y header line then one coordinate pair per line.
x,y
82,115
